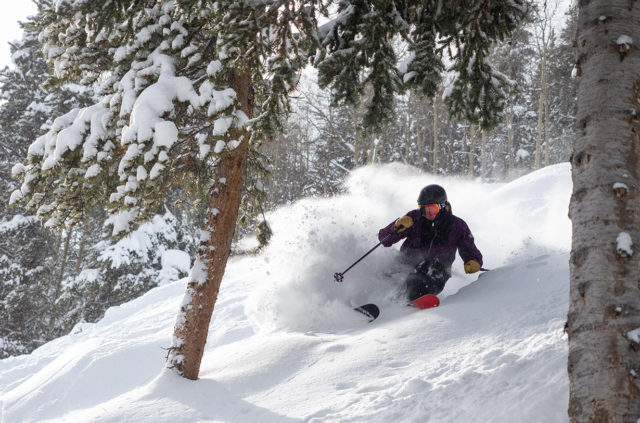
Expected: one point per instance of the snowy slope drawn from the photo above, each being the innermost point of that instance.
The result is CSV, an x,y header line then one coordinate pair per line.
x,y
285,346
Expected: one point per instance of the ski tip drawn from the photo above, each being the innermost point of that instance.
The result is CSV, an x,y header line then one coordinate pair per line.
x,y
370,310
426,301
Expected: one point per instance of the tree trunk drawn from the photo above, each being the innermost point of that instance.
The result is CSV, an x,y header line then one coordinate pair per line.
x,y
510,152
483,156
357,139
472,147
58,287
435,134
81,248
407,139
192,326
509,119
419,147
541,101
273,180
604,362
547,144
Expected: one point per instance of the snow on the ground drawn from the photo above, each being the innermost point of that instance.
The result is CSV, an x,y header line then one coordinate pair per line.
x,y
285,346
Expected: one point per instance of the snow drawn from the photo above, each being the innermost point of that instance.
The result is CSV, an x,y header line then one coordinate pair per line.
x,y
93,171
93,119
522,154
620,186
140,243
122,220
634,335
17,221
174,264
198,272
624,244
624,40
284,345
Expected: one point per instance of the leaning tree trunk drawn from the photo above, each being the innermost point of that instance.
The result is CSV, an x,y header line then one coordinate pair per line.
x,y
192,326
604,313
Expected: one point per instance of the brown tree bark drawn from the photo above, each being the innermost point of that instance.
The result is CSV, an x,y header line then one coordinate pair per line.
x,y
604,357
192,327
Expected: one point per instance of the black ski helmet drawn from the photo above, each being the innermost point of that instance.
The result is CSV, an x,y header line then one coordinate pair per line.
x,y
432,194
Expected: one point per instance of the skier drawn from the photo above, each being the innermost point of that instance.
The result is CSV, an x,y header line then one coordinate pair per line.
x,y
432,235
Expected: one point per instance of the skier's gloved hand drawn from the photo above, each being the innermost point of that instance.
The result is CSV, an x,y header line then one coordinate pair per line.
x,y
403,224
471,266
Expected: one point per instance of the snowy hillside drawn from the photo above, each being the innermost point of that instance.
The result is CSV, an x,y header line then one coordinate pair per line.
x,y
285,346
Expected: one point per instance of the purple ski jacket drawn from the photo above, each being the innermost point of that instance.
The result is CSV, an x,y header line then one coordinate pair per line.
x,y
415,249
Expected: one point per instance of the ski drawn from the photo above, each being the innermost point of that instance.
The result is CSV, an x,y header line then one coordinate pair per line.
x,y
370,310
426,301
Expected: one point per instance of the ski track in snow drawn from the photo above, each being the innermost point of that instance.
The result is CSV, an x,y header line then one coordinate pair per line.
x,y
285,346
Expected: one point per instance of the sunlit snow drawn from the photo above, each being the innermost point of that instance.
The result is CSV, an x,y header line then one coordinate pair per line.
x,y
285,346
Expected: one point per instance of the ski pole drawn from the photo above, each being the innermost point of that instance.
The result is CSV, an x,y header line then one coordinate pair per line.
x,y
339,276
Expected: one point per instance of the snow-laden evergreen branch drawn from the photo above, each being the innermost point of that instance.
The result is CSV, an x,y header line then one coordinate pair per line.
x,y
167,102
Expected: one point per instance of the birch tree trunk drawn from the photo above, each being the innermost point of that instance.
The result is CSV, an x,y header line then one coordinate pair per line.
x,y
604,357
192,326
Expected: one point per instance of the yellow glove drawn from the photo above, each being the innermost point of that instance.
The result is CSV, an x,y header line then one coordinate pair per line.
x,y
403,224
471,266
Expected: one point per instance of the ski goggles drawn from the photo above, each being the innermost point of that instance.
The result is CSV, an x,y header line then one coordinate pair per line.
x,y
431,210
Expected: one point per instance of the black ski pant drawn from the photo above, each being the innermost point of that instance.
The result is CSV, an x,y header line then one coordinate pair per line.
x,y
428,277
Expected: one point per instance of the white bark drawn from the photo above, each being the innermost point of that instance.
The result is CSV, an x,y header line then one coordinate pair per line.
x,y
604,361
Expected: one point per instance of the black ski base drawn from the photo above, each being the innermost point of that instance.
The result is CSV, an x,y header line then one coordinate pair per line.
x,y
370,310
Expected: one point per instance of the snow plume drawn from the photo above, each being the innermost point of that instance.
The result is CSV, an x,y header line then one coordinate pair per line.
x,y
315,238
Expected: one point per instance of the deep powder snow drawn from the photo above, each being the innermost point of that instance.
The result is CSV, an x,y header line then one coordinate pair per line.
x,y
285,346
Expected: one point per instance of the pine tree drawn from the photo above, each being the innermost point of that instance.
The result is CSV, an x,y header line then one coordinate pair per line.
x,y
187,88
